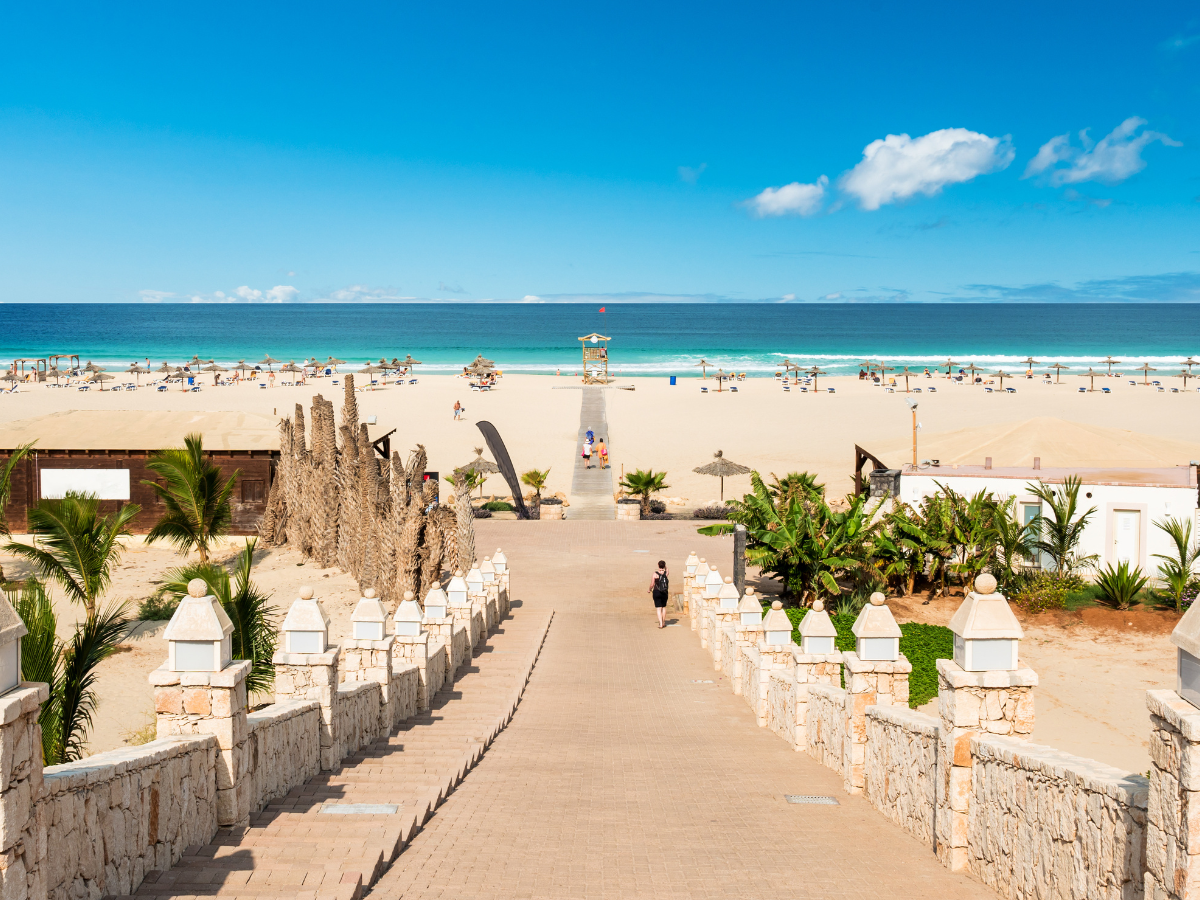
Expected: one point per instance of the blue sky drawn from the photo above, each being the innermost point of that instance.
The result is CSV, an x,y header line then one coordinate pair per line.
x,y
851,151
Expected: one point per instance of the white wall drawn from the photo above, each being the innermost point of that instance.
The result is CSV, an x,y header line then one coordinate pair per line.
x,y
1153,503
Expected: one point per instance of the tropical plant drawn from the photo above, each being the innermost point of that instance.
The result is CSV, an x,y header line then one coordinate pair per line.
x,y
644,484
536,479
254,636
901,546
195,494
470,479
6,488
1176,569
79,547
68,668
1120,586
1013,544
1058,535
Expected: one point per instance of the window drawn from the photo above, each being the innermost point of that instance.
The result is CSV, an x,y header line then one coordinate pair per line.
x,y
254,491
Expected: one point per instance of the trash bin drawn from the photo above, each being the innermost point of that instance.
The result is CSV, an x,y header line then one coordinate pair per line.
x,y
672,381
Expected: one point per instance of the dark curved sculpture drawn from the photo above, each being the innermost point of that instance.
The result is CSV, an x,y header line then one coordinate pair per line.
x,y
500,454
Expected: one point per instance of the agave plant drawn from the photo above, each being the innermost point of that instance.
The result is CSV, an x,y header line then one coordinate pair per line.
x,y
1177,569
69,668
79,547
254,636
195,494
1120,586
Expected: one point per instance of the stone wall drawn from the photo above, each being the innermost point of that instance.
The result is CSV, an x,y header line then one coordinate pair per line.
x,y
107,820
1045,824
781,704
356,715
406,688
901,768
825,729
284,748
729,649
749,670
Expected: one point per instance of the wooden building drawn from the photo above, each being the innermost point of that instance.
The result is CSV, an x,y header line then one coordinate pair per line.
x,y
105,453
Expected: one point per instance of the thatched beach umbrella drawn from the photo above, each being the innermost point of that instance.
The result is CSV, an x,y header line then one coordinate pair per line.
x,y
1189,362
101,377
214,368
949,364
1030,362
972,368
1185,375
408,362
8,376
814,372
136,371
92,367
720,376
703,366
480,466
881,368
1091,374
907,375
1110,362
333,362
722,468
268,361
1001,374
292,368
1146,369
53,370
1058,367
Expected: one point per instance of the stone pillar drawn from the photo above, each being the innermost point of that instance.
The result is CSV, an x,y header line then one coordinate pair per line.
x,y
971,703
191,703
1173,810
363,661
313,676
811,668
413,646
22,863
771,658
491,608
868,683
748,631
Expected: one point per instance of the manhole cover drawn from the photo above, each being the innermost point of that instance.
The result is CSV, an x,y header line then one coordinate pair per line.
x,y
358,809
809,798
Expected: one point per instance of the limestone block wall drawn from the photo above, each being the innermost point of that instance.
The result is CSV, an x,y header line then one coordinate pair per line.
x,y
21,784
781,704
901,768
106,821
1044,823
728,656
284,748
405,691
356,715
825,729
749,670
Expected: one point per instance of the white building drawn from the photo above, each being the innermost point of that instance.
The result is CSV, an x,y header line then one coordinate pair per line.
x,y
1127,501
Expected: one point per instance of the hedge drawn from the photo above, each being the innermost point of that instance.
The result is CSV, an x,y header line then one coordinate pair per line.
x,y
922,645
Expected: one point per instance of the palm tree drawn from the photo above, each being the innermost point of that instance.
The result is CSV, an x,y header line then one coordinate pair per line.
x,y
6,488
1058,534
1014,545
68,668
536,479
644,484
1176,569
79,546
254,636
196,496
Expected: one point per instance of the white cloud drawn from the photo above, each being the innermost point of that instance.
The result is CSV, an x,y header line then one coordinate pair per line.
x,y
154,296
248,293
361,293
282,293
791,199
898,166
1112,159
788,297
531,298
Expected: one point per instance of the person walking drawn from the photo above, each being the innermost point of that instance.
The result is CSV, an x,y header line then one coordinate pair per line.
x,y
457,410
659,589
603,451
587,454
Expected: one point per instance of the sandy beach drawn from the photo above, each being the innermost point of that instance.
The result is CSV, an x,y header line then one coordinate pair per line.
x,y
1091,701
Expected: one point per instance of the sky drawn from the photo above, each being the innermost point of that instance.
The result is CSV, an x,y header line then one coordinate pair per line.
x,y
791,152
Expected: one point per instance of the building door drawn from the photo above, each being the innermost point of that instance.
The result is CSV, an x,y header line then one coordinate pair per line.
x,y
1029,512
1127,536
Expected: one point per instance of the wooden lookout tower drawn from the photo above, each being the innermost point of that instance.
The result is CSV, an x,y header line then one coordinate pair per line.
x,y
595,359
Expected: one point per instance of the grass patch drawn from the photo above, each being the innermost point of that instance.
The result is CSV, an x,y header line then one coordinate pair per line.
x,y
498,506
922,645
159,606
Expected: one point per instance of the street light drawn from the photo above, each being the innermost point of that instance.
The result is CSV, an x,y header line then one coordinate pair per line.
x,y
912,404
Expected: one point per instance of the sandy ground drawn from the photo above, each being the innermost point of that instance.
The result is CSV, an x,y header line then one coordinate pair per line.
x,y
1091,698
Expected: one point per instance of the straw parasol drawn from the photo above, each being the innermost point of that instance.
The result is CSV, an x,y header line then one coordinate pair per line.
x,y
102,377
53,370
268,361
214,368
972,368
704,364
136,370
722,468
1030,362
907,375
92,367
480,466
8,376
1058,367
243,366
814,372
1091,374
334,361
1189,362
1146,369
949,364
1110,362
1185,375
408,362
1001,374
720,376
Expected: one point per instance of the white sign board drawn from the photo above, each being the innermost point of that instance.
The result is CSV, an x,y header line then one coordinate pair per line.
x,y
105,484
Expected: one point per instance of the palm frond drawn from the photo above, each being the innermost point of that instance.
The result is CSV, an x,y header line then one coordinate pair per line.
x,y
94,641
195,495
41,658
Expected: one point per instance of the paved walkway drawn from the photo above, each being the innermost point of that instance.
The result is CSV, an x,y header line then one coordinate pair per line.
x,y
632,771
592,489
293,849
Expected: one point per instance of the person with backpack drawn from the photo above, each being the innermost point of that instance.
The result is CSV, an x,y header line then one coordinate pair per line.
x,y
660,587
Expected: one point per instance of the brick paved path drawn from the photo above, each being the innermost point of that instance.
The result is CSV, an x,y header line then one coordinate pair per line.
x,y
622,777
294,850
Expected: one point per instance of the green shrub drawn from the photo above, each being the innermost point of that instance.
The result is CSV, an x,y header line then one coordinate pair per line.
x,y
498,506
1120,586
922,645
1046,590
161,605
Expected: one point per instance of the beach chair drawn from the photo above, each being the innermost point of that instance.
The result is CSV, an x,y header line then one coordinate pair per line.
x,y
1174,390
787,388
918,390
412,381
161,388
804,390
933,390
263,385
704,390
82,387
988,390
1106,390
831,390
1161,390
1010,390
194,389
889,390
1083,390
733,389
1134,383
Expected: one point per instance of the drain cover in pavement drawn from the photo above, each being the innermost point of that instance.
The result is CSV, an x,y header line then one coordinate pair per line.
x,y
358,809
809,798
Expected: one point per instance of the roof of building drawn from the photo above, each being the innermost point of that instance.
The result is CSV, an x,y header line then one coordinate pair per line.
x,y
1177,476
129,429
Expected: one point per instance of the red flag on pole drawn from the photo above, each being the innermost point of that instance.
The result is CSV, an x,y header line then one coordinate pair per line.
x,y
602,309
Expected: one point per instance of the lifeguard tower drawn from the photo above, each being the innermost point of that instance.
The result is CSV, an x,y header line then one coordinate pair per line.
x,y
595,359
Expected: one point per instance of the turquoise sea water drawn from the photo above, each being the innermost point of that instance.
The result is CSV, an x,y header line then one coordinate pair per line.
x,y
647,339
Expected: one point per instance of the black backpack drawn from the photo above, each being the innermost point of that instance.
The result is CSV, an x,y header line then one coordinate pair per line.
x,y
661,585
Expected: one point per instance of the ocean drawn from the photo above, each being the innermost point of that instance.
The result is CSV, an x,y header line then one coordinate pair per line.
x,y
647,339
